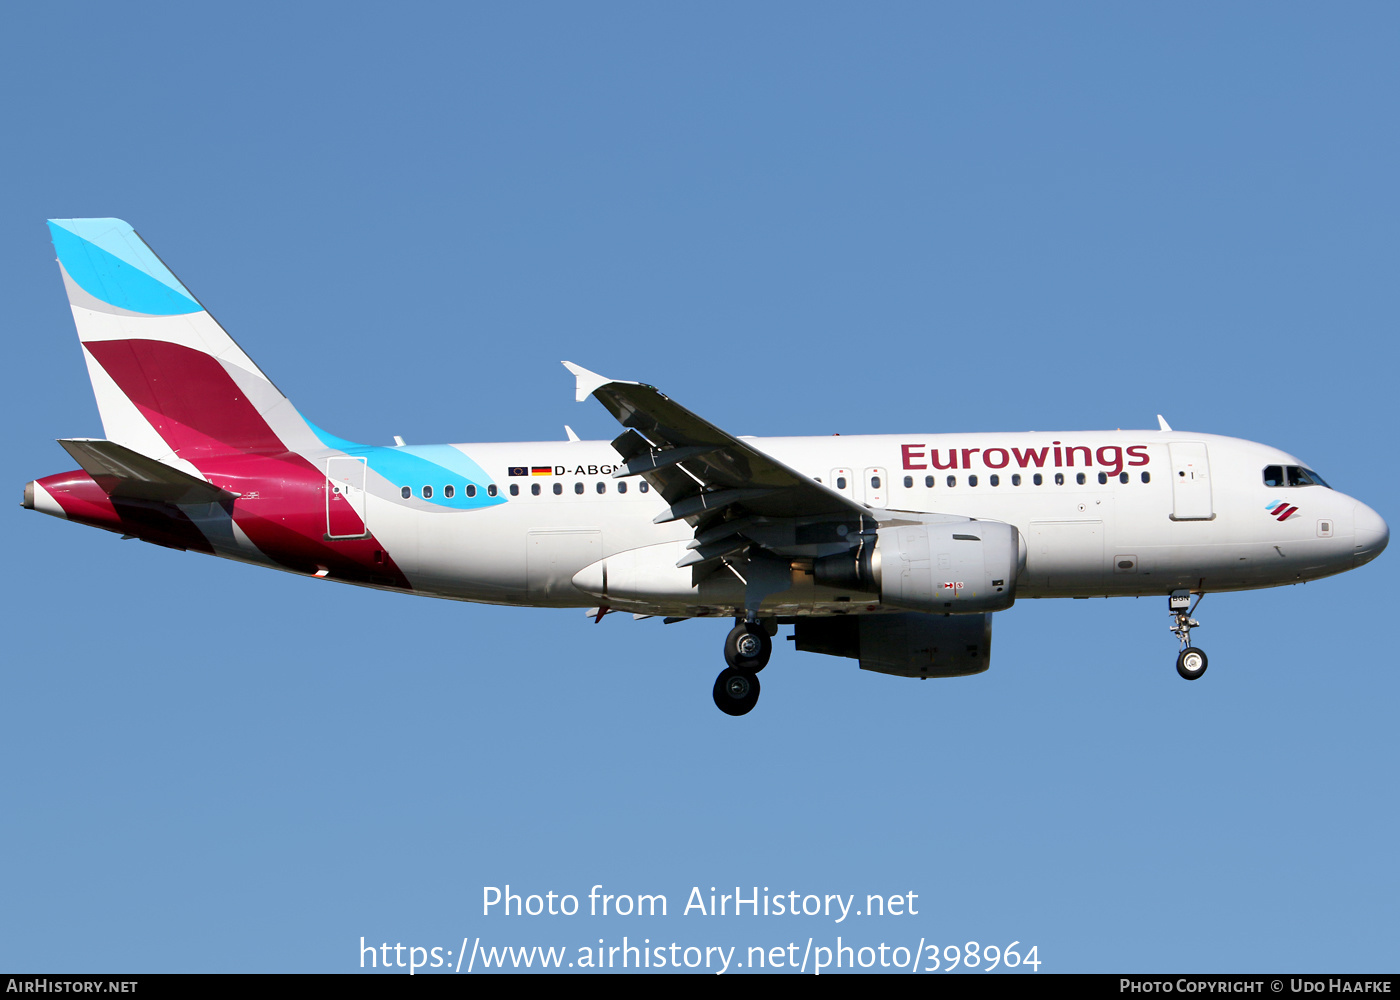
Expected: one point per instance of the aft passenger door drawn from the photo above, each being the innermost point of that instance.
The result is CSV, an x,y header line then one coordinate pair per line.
x,y
345,498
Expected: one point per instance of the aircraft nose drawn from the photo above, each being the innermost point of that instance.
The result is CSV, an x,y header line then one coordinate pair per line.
x,y
1372,534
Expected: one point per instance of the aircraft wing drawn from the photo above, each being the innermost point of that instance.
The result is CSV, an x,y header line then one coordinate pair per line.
x,y
700,470
742,502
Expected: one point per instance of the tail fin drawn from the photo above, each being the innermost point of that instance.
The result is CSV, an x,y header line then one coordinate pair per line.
x,y
170,383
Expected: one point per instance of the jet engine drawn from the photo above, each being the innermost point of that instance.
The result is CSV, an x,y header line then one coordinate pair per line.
x,y
958,567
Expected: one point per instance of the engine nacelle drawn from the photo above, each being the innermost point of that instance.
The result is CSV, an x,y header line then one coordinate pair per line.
x,y
957,567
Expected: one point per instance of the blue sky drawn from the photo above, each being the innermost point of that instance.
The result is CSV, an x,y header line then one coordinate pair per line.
x,y
793,219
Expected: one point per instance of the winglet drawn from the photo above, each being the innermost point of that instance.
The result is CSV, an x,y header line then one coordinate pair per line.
x,y
587,380
1162,423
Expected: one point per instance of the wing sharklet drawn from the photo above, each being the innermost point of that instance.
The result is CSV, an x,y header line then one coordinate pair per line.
x,y
589,382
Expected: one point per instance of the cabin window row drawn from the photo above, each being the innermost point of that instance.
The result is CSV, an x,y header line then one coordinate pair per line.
x,y
994,479
449,492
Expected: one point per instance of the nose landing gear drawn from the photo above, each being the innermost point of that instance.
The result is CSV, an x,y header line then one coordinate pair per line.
x,y
1190,662
746,650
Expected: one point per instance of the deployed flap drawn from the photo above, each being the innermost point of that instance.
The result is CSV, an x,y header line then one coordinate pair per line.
x,y
130,475
742,479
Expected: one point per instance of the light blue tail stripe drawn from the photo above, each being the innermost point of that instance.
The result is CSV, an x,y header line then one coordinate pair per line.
x,y
417,466
109,262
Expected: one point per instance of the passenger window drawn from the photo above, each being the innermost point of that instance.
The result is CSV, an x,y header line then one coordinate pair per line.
x,y
874,482
427,492
578,487
622,486
643,487
1038,479
908,482
1273,475
602,488
449,491
491,490
1079,479
840,482
1016,479
558,488
1059,479
995,480
514,489
928,481
406,492
1122,477
535,489
1103,478
972,480
1146,477
952,480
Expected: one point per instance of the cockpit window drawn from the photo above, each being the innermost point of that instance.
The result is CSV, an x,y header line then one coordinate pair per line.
x,y
1291,475
1298,476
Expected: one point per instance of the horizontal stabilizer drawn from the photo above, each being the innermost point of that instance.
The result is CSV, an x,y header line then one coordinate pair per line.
x,y
130,475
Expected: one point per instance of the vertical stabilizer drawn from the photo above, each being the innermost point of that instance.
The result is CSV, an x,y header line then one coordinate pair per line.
x,y
170,383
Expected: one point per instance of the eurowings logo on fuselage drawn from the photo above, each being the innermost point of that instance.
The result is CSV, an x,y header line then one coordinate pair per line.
x,y
1281,509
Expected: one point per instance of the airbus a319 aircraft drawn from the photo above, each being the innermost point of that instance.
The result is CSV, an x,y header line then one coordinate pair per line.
x,y
894,550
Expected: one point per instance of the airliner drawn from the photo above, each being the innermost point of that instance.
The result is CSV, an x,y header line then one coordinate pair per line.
x,y
892,550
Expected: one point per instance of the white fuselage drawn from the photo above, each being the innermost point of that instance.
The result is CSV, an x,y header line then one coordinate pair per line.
x,y
1199,521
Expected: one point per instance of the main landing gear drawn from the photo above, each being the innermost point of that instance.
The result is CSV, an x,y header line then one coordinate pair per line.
x,y
1190,662
746,650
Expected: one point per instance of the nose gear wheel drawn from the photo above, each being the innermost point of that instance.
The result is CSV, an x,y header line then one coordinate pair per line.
x,y
1190,662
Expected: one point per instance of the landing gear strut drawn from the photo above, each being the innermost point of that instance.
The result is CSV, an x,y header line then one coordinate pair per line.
x,y
1190,662
746,650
